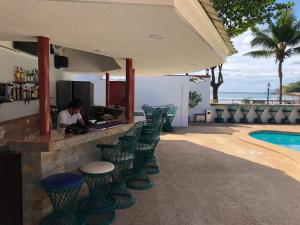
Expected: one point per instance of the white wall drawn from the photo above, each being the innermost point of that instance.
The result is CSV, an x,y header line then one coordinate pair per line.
x,y
164,90
202,88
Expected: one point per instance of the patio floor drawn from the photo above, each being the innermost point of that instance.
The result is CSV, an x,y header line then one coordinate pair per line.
x,y
209,177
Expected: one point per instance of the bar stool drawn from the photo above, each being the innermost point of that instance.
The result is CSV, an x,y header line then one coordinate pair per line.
x,y
273,110
138,178
298,119
62,190
259,110
170,115
287,110
151,163
99,206
122,155
232,109
245,109
219,118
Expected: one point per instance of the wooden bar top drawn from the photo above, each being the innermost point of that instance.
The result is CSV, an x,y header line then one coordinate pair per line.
x,y
58,140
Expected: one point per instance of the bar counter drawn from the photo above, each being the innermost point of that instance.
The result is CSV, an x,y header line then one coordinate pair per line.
x,y
58,140
58,152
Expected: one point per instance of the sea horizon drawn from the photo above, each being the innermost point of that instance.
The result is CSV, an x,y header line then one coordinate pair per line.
x,y
239,95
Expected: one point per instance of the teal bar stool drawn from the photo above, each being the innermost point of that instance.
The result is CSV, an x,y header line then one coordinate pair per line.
x,y
62,190
287,110
273,111
298,120
219,118
245,109
122,155
259,110
169,117
138,178
99,206
232,109
151,163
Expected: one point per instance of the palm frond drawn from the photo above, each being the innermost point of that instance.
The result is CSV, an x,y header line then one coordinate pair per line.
x,y
288,53
295,40
297,50
263,39
260,54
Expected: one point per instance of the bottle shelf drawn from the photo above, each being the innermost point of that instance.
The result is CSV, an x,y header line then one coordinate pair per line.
x,y
20,100
28,82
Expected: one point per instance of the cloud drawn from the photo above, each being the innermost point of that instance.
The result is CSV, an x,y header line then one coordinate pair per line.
x,y
244,73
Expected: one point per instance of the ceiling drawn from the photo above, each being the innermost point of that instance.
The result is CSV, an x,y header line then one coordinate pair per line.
x,y
161,36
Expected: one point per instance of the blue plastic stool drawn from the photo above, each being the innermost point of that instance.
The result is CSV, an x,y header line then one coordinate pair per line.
x,y
62,189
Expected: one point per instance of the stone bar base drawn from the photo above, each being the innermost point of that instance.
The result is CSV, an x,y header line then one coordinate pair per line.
x,y
64,155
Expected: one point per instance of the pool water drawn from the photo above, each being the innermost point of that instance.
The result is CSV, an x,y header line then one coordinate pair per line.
x,y
285,139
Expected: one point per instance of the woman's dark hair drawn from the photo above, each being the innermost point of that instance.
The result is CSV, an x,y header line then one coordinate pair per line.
x,y
76,103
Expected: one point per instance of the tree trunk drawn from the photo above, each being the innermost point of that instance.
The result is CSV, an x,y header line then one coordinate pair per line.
x,y
280,80
215,93
215,85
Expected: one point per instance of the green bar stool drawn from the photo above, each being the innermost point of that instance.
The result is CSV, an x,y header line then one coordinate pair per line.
x,y
259,110
273,111
151,163
245,109
219,118
99,206
138,178
232,110
147,109
287,110
170,115
122,155
62,190
298,120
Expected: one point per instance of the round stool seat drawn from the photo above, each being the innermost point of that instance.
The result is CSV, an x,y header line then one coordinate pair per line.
x,y
62,180
97,167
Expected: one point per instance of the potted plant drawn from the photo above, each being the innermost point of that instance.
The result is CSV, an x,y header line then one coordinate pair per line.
x,y
194,99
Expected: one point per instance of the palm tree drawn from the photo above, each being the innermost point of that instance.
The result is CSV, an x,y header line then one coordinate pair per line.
x,y
281,40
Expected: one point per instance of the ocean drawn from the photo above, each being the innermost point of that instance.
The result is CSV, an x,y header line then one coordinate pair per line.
x,y
236,96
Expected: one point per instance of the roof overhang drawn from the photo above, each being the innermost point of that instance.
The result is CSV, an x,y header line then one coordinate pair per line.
x,y
162,36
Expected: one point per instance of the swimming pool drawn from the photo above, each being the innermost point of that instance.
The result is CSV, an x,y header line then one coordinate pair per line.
x,y
285,139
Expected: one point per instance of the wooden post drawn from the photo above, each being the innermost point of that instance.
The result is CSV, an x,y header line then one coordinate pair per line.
x,y
44,85
133,89
129,90
107,90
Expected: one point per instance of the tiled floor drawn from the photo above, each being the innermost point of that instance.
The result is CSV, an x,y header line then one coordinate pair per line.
x,y
209,177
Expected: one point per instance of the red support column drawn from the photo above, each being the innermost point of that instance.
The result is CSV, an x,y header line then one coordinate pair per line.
x,y
44,85
107,90
133,88
129,90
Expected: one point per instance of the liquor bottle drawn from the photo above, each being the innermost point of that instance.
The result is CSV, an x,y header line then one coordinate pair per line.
x,y
17,93
32,93
27,76
25,93
13,93
36,91
20,93
30,77
21,75
36,75
17,74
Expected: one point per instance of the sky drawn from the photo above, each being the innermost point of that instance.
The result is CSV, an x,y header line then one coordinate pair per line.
x,y
245,74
